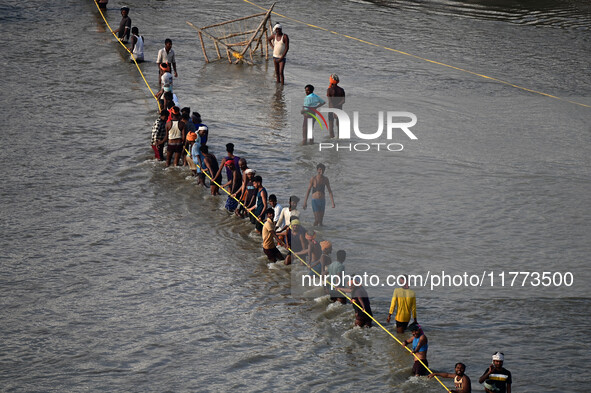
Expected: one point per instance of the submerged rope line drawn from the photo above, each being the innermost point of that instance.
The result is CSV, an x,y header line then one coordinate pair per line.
x,y
425,59
127,49
320,275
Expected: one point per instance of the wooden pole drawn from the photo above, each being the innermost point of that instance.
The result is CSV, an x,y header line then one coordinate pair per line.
x,y
203,47
217,48
234,20
263,22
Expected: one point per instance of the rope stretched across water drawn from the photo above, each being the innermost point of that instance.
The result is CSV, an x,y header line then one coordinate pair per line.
x,y
258,220
425,59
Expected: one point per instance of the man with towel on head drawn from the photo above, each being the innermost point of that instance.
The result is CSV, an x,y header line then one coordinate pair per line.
x,y
336,99
496,378
280,44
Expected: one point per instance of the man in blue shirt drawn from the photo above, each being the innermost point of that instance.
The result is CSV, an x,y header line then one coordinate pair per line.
x,y
312,101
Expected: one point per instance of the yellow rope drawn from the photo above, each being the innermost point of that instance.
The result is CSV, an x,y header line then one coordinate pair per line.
x,y
425,59
320,275
127,49
256,218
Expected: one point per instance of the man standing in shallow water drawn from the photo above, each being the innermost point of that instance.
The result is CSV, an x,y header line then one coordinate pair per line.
x,y
280,44
336,99
311,103
461,381
496,378
124,29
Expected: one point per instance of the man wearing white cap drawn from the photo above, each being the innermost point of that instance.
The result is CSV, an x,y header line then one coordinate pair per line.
x,y
496,378
280,44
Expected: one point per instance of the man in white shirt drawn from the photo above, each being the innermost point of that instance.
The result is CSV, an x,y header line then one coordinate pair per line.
x,y
276,207
166,55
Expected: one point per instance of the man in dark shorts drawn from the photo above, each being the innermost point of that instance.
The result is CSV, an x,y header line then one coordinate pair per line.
x,y
420,345
269,247
212,167
337,269
360,298
405,303
124,30
336,99
158,134
496,378
296,239
260,206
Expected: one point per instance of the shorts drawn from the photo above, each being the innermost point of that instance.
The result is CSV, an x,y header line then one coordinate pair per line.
x,y
175,147
258,226
231,204
402,324
362,320
419,369
315,269
273,254
276,60
318,205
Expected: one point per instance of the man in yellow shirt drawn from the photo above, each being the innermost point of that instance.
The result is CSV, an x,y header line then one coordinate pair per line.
x,y
405,302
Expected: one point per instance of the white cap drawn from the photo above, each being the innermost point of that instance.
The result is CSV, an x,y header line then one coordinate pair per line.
x,y
202,128
498,356
277,26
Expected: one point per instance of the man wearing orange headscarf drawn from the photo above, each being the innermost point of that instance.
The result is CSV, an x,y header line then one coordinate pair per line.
x,y
336,99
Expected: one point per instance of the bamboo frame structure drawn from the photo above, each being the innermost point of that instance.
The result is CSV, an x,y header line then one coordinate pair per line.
x,y
238,49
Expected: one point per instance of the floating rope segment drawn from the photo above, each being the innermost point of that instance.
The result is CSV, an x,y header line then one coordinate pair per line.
x,y
127,49
427,60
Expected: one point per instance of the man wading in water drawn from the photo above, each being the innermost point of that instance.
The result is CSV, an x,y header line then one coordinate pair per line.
x,y
280,44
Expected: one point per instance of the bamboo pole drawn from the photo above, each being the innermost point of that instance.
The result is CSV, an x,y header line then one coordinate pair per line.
x,y
235,20
266,45
236,34
203,47
263,22
217,49
229,57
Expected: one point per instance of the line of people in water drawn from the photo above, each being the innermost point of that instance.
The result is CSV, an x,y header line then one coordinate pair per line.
x,y
179,137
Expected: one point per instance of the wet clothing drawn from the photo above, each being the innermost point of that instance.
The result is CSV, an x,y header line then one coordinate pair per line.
x,y
164,57
273,254
268,230
313,101
499,379
405,302
124,28
229,172
158,130
361,319
279,46
415,343
419,369
285,217
174,132
138,49
318,204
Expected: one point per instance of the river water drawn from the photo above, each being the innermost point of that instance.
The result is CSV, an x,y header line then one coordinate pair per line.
x,y
118,274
